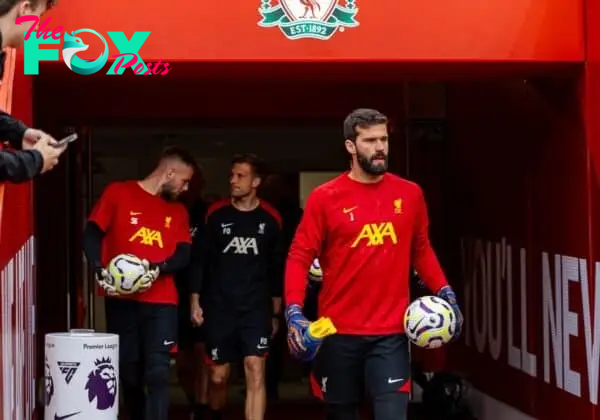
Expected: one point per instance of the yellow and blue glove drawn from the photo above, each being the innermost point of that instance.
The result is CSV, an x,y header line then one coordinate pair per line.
x,y
304,338
449,296
297,325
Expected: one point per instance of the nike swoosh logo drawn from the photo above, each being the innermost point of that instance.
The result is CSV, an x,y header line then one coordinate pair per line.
x,y
262,347
416,327
168,343
393,381
135,213
345,210
224,225
57,417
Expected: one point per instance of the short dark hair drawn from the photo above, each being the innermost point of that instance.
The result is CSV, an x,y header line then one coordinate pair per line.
x,y
362,118
176,152
257,164
7,5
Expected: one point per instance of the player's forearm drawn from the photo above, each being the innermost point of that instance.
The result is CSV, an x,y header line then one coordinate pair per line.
x,y
295,282
277,306
306,245
92,244
277,267
427,265
178,261
20,166
424,259
194,298
12,130
195,274
276,282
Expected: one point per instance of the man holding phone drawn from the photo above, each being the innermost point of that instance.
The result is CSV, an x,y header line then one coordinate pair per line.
x,y
37,152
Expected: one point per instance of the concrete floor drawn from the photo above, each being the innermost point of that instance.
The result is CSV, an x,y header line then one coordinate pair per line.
x,y
296,403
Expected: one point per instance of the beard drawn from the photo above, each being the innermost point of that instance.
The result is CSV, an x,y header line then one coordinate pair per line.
x,y
168,193
368,164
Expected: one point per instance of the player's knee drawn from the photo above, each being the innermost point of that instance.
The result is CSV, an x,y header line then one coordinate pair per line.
x,y
219,374
342,412
391,406
254,368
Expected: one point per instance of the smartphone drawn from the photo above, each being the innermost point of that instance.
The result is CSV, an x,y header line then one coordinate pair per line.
x,y
66,140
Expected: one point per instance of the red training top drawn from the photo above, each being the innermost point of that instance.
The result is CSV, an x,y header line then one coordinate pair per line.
x,y
139,223
366,236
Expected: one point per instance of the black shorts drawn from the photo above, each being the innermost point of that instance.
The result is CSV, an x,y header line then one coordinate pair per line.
x,y
144,329
188,334
232,336
348,366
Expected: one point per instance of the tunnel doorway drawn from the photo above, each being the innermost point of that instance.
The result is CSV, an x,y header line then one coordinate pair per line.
x,y
469,138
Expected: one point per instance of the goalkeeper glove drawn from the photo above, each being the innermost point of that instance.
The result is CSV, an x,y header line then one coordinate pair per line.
x,y
104,280
305,338
449,296
152,273
297,326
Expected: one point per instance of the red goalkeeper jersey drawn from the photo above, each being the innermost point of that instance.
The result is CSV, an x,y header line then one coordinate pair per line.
x,y
366,237
136,222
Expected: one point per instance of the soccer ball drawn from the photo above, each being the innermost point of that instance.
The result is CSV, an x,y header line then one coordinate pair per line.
x,y
315,271
429,322
125,273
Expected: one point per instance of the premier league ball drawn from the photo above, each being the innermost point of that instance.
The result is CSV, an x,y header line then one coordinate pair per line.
x,y
429,322
126,273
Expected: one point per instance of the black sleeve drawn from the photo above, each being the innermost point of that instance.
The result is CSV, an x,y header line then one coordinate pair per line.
x,y
11,130
92,244
20,166
277,263
195,271
178,261
200,256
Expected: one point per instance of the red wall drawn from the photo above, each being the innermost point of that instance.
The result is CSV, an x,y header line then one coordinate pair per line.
x,y
243,92
17,281
536,30
519,170
592,82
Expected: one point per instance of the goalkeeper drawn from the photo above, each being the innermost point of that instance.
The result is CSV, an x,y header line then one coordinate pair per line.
x,y
367,227
146,219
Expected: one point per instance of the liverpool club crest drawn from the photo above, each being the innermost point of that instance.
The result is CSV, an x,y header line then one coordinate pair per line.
x,y
317,19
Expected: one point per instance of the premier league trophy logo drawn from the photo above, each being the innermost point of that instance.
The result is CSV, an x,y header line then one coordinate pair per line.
x,y
102,384
48,384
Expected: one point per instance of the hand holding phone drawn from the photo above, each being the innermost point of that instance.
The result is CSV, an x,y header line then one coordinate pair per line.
x,y
66,140
49,151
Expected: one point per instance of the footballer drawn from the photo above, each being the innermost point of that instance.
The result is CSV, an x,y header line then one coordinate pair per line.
x,y
144,218
367,227
244,252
